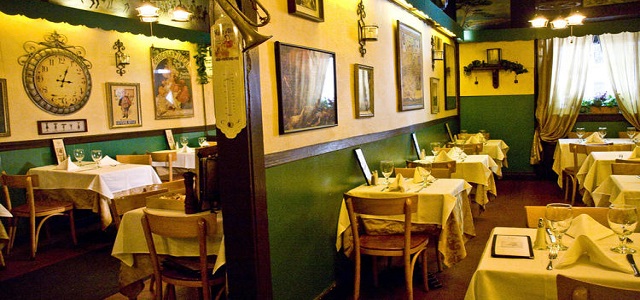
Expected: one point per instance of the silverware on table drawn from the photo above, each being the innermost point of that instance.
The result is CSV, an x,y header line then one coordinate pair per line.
x,y
553,249
633,265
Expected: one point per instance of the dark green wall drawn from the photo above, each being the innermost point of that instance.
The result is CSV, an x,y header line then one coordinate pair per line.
x,y
509,118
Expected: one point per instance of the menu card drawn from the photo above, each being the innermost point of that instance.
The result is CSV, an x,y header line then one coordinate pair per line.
x,y
511,246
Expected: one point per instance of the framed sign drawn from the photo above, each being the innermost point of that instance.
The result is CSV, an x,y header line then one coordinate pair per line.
x,y
58,149
364,91
171,83
433,93
409,68
62,126
306,88
172,143
123,105
4,109
308,9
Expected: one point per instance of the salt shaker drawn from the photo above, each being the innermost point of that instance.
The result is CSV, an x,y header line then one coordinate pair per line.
x,y
541,237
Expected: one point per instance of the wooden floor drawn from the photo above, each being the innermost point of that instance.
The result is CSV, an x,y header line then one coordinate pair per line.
x,y
505,210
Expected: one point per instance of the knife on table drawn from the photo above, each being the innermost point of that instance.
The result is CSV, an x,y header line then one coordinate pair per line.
x,y
633,265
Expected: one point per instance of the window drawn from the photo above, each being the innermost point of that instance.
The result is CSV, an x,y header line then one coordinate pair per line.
x,y
598,90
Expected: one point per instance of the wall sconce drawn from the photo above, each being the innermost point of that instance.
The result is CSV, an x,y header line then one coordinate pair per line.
x,y
436,51
365,32
122,60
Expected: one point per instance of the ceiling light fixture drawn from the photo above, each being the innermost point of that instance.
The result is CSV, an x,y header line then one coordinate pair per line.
x,y
557,6
180,14
148,13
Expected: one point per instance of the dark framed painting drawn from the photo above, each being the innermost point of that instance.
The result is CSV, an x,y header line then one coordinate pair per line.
x,y
306,79
450,78
123,105
363,78
171,83
409,68
434,83
4,109
308,9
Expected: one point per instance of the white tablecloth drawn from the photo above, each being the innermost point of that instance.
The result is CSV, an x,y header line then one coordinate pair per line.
x,y
186,160
514,278
618,189
595,169
444,202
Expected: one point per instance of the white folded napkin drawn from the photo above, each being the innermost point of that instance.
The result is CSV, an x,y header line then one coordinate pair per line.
x,y
635,153
584,224
594,138
443,156
67,165
472,140
108,161
397,185
417,178
583,245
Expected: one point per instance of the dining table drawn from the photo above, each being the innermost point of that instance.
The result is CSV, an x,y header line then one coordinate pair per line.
x,y
477,169
4,237
563,158
624,189
185,158
528,278
595,169
497,150
444,202
93,187
130,247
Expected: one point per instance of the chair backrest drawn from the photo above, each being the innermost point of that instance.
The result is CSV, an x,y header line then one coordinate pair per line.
x,y
574,289
207,186
441,169
623,134
172,186
167,156
573,135
406,172
140,159
625,168
597,213
469,149
197,227
622,147
577,150
23,182
123,204
627,161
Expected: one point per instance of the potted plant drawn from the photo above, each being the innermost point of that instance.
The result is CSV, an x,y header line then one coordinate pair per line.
x,y
601,104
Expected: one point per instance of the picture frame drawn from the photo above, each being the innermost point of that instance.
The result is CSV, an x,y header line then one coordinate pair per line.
x,y
172,90
416,146
450,77
123,104
409,68
494,56
5,128
172,143
62,126
364,96
362,163
434,83
309,9
306,82
59,150
449,133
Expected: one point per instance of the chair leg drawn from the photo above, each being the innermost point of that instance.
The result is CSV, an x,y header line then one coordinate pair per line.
x,y
425,270
374,270
356,277
12,234
33,233
72,225
408,277
574,183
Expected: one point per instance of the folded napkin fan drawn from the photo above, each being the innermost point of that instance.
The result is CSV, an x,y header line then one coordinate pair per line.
x,y
584,224
397,185
442,156
67,165
108,161
594,138
583,245
635,153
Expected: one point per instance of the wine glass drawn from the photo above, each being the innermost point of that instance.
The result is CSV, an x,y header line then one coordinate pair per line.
x,y
559,217
435,147
623,219
425,170
580,133
631,132
202,140
602,131
184,141
96,155
386,167
79,155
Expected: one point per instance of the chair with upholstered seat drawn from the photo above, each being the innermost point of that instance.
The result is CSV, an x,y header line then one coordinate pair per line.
x,y
123,204
167,157
196,272
597,213
625,168
139,159
33,209
410,246
574,289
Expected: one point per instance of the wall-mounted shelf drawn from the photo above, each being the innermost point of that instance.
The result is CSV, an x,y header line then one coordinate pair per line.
x,y
495,73
495,69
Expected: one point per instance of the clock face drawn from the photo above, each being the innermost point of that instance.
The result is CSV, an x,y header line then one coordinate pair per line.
x,y
57,81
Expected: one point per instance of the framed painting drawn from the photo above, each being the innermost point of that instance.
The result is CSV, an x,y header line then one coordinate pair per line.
x,y
308,9
59,150
450,78
409,68
306,79
434,82
171,83
123,104
4,109
363,91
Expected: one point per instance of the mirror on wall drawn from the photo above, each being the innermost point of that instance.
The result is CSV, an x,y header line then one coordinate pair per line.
x,y
450,77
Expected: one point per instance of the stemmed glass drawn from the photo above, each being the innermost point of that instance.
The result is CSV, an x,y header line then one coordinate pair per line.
x,y
580,133
435,147
602,131
425,170
386,167
623,219
202,140
559,217
631,132
96,155
184,141
79,155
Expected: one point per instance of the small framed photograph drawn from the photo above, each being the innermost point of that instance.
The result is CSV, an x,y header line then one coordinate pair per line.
x,y
435,108
172,143
409,68
123,105
494,56
58,149
4,109
308,9
364,91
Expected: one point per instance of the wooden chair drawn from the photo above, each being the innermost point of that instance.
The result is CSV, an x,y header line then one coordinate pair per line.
x,y
624,135
570,173
410,246
33,209
123,204
442,169
469,149
167,157
622,147
625,168
172,186
574,289
627,161
198,227
597,213
139,159
406,172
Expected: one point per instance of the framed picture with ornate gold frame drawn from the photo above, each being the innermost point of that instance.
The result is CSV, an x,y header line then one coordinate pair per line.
x,y
363,91
4,109
123,104
409,68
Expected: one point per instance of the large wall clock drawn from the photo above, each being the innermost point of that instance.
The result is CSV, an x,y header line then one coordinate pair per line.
x,y
55,75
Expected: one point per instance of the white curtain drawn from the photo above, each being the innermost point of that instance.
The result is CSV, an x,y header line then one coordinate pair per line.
x,y
620,52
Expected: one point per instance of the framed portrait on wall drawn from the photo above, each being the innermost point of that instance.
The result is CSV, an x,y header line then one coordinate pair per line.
x,y
308,9
4,109
363,91
171,83
409,68
123,105
435,108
